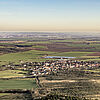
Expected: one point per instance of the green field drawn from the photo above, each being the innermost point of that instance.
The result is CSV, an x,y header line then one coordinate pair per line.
x,y
24,56
33,52
35,55
73,54
3,94
12,73
17,84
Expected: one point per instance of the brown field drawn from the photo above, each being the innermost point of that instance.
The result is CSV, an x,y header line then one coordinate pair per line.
x,y
20,46
13,50
62,47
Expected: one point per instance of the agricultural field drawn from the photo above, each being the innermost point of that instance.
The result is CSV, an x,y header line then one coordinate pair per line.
x,y
74,83
15,51
17,84
33,51
35,55
12,73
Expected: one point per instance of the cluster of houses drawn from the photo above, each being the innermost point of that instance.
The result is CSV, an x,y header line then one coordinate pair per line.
x,y
53,66
48,67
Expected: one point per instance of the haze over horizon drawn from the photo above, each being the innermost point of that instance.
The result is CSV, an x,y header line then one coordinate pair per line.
x,y
50,15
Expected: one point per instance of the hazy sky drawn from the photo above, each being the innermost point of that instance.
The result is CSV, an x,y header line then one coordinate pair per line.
x,y
49,15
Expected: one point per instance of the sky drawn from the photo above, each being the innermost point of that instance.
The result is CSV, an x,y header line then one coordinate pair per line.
x,y
50,15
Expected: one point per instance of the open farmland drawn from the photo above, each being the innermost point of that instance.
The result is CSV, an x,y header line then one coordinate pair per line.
x,y
12,73
74,83
17,84
22,58
33,51
35,55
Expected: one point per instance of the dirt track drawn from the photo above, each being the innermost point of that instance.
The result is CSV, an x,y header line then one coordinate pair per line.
x,y
57,81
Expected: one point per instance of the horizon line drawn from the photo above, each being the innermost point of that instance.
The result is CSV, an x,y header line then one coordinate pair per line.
x,y
49,31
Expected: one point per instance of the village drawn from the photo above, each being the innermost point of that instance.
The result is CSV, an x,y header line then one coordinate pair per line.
x,y
52,66
54,75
